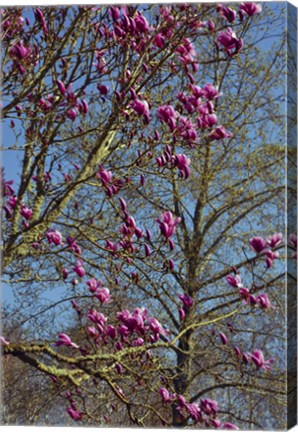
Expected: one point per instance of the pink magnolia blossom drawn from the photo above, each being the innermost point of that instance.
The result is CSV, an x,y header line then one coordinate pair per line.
x,y
114,12
181,314
73,245
103,295
156,327
159,40
141,23
103,89
209,406
275,240
40,17
211,92
244,292
20,51
105,176
192,409
237,351
97,317
182,163
140,107
223,338
216,423
75,414
79,269
258,244
264,302
220,133
138,342
258,359
206,121
147,250
250,8
72,114
187,301
230,426
245,358
111,331
13,201
167,114
54,236
234,281
7,188
167,224
226,12
93,284
167,397
61,87
91,331
64,339
26,212
228,39
271,256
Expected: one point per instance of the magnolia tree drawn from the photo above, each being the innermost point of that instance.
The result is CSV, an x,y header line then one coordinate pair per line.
x,y
143,215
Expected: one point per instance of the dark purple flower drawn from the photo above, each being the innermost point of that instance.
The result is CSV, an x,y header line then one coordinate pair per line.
x,y
258,244
8,211
65,273
26,212
13,201
250,8
103,89
228,13
147,250
186,300
237,351
111,331
141,23
114,12
61,87
20,51
258,359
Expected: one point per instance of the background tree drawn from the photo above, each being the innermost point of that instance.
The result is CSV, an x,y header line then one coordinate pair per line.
x,y
151,142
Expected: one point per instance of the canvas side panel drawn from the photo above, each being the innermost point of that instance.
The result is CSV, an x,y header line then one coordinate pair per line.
x,y
292,215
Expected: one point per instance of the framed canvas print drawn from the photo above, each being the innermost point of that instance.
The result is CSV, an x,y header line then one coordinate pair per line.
x,y
149,207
